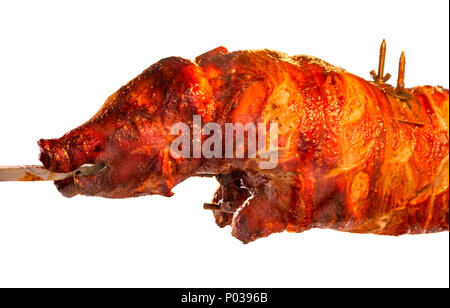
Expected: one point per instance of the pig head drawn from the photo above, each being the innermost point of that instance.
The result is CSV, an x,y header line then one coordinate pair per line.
x,y
130,136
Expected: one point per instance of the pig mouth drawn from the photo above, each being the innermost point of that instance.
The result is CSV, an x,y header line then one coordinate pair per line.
x,y
111,175
89,175
90,179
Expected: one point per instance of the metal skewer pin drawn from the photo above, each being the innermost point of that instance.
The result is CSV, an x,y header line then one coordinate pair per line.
x,y
400,91
379,77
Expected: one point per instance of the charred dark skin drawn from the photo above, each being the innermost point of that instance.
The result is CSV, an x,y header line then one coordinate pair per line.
x,y
352,156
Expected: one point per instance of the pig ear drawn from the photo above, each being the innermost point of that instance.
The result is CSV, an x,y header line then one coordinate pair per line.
x,y
210,54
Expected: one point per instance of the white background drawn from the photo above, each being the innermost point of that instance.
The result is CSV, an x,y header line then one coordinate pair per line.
x,y
59,62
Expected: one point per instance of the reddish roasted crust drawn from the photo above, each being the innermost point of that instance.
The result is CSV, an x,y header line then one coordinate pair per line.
x,y
351,156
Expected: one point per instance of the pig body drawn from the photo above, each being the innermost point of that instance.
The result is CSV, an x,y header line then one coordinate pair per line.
x,y
351,156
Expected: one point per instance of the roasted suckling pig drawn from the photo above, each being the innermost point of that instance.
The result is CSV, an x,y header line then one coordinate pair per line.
x,y
352,155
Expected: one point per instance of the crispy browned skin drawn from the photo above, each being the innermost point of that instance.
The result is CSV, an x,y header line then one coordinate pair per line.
x,y
352,157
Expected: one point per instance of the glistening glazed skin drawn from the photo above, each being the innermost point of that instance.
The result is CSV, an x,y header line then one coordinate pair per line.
x,y
352,157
